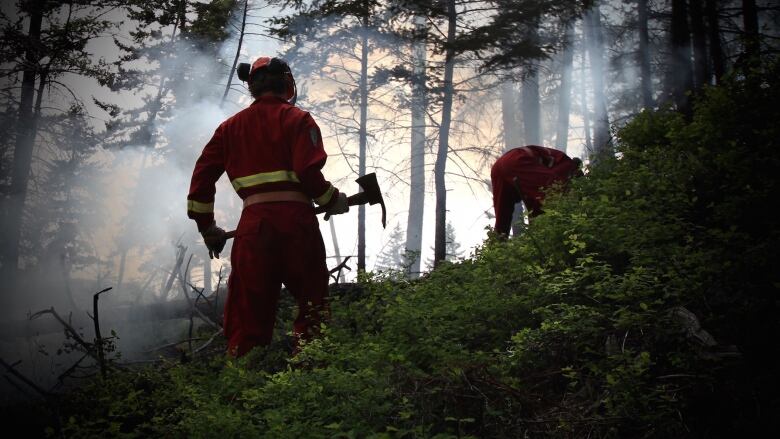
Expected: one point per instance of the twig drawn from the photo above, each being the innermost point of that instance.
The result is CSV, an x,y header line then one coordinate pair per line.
x,y
200,293
130,363
189,331
176,267
678,375
60,379
205,345
68,328
623,346
183,280
170,345
98,337
193,308
216,295
338,269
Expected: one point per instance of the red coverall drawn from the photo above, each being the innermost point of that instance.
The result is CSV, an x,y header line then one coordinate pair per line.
x,y
521,174
269,147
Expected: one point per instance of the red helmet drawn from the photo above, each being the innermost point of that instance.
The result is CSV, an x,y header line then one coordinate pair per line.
x,y
274,66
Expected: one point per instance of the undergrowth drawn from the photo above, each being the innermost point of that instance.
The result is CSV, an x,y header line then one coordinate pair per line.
x,y
573,329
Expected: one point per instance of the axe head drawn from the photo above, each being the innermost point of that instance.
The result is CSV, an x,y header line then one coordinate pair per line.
x,y
371,191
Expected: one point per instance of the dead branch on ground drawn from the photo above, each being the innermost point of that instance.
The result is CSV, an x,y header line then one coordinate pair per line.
x,y
11,369
88,347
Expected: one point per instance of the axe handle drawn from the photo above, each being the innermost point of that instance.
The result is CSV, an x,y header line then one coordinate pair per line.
x,y
352,200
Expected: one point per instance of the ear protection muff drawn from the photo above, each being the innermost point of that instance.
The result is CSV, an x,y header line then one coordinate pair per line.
x,y
243,71
279,66
273,66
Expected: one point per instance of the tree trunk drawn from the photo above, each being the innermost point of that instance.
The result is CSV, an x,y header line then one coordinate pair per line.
x,y
336,251
716,49
509,107
238,53
414,223
23,150
512,135
564,92
361,265
162,89
181,15
595,44
752,42
440,240
681,71
531,108
644,56
701,71
207,274
122,265
584,98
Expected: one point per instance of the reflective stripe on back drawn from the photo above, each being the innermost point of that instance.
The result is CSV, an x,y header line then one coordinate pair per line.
x,y
264,177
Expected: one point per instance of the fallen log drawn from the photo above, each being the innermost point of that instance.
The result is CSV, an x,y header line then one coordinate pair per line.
x,y
111,317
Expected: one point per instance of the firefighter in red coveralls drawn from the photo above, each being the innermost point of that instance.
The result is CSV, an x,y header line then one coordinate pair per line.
x,y
273,154
521,174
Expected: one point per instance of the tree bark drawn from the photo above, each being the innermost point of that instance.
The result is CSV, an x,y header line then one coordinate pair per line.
x,y
512,135
336,251
681,72
644,56
509,107
595,44
238,53
752,42
716,48
148,137
701,70
414,223
440,240
181,14
363,90
531,108
23,149
584,97
564,92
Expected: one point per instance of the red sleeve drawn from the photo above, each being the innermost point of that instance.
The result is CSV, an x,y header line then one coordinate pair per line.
x,y
565,169
308,159
208,168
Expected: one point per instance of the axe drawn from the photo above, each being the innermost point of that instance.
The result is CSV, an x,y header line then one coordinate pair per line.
x,y
370,194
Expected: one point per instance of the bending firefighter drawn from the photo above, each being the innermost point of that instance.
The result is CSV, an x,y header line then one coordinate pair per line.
x,y
521,174
273,154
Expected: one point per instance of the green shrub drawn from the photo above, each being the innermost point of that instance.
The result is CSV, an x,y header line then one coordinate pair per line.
x,y
572,329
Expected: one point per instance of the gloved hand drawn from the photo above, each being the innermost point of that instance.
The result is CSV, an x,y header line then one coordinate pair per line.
x,y
339,207
214,237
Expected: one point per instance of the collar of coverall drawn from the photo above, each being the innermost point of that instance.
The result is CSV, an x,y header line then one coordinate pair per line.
x,y
269,98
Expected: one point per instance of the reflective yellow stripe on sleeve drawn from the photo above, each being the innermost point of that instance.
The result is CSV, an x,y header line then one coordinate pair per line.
x,y
264,177
198,207
325,198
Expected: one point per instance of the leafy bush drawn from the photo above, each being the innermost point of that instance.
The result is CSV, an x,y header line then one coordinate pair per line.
x,y
580,327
